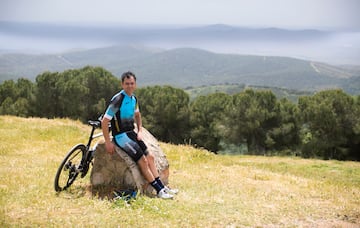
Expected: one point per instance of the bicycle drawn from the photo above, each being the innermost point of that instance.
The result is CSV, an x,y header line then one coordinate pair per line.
x,y
77,160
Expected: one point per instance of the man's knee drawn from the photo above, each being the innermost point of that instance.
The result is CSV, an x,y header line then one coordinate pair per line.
x,y
150,157
143,161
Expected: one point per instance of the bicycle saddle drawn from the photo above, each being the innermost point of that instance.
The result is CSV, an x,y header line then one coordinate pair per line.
x,y
94,123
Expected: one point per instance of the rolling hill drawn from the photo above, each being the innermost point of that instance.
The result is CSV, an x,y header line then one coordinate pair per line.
x,y
187,67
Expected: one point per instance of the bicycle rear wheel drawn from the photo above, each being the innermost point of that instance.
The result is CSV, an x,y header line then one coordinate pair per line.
x,y
69,168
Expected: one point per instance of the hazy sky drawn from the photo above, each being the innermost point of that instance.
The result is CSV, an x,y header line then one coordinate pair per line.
x,y
261,13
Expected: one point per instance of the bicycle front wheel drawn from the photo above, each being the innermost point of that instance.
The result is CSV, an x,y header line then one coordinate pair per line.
x,y
69,168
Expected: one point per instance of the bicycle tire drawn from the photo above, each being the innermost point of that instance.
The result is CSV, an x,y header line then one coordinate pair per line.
x,y
69,168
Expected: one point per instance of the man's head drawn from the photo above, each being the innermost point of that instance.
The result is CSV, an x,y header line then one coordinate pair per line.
x,y
128,82
127,75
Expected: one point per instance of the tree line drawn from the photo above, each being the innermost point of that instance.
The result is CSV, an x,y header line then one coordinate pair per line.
x,y
324,125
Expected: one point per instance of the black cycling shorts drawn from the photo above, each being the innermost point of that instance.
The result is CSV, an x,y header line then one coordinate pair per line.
x,y
129,143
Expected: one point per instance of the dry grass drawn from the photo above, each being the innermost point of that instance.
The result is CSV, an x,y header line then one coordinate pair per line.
x,y
216,190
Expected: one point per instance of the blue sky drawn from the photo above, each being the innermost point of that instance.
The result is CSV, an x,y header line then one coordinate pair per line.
x,y
293,14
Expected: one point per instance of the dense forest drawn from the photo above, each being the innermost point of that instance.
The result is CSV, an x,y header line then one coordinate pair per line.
x,y
324,125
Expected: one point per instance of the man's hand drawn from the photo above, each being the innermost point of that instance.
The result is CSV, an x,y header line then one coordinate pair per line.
x,y
110,148
139,135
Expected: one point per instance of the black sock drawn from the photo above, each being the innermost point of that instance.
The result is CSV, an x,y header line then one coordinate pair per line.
x,y
156,185
159,181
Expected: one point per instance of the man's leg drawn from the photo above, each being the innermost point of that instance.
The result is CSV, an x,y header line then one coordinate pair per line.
x,y
155,173
144,166
145,169
137,150
151,163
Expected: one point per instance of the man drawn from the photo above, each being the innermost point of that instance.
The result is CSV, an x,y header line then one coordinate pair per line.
x,y
121,112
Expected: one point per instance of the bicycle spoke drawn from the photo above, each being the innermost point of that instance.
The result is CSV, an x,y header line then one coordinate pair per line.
x,y
70,168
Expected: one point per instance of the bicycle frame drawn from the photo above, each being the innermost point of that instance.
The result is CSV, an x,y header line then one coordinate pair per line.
x,y
89,151
94,125
71,167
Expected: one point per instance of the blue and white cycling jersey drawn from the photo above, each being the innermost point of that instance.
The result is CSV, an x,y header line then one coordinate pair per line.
x,y
121,112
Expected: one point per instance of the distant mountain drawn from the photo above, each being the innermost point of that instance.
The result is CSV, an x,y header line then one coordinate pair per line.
x,y
187,67
334,47
138,34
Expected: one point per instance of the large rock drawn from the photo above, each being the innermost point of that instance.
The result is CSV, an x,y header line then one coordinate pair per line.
x,y
118,171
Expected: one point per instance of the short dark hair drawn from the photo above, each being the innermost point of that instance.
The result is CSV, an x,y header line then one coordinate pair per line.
x,y
127,74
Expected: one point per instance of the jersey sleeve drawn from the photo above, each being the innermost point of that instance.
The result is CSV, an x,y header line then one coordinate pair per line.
x,y
110,112
113,106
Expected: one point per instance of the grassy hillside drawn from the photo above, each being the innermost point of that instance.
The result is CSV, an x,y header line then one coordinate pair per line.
x,y
216,190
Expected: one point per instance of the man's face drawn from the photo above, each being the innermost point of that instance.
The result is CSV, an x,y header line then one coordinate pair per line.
x,y
129,85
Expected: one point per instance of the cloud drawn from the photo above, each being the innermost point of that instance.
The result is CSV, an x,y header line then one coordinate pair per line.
x,y
275,13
